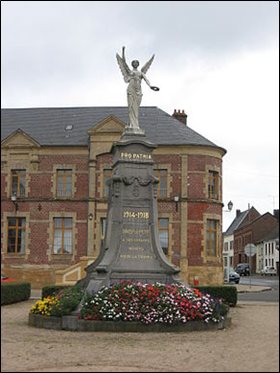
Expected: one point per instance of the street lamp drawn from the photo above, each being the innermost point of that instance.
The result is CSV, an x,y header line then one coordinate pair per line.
x,y
14,200
176,200
226,255
230,206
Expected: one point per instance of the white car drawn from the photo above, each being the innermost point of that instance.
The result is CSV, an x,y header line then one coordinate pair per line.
x,y
269,271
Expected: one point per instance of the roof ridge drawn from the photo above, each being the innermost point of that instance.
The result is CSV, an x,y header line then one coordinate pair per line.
x,y
74,107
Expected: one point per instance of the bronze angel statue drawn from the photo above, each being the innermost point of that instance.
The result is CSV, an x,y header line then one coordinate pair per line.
x,y
134,91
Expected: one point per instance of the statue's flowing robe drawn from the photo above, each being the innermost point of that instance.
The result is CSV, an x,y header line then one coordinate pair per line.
x,y
134,98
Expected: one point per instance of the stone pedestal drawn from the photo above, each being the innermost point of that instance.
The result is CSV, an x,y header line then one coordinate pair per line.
x,y
131,248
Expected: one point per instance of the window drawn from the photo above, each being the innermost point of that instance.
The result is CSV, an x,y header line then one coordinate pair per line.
x,y
213,185
62,241
18,182
226,246
107,175
162,185
64,183
16,235
103,230
164,234
212,238
225,261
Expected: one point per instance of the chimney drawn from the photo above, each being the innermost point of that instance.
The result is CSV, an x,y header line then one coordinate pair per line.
x,y
276,214
181,116
238,212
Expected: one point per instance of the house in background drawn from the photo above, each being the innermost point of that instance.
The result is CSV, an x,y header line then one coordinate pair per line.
x,y
268,253
252,230
228,236
55,164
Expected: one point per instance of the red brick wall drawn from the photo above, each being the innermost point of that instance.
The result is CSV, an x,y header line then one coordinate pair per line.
x,y
47,161
199,162
41,188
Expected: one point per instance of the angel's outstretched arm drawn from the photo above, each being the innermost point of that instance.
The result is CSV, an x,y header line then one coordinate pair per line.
x,y
146,80
123,66
123,55
149,84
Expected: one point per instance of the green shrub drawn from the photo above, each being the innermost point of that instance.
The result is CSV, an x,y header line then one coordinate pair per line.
x,y
17,291
52,290
61,303
227,293
68,301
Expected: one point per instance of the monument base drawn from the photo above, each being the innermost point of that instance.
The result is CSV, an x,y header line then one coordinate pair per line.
x,y
131,249
133,131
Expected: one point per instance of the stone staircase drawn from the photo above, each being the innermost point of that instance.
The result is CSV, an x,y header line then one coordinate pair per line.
x,y
74,273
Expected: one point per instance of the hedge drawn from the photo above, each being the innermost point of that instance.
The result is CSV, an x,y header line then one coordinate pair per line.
x,y
51,290
227,293
12,292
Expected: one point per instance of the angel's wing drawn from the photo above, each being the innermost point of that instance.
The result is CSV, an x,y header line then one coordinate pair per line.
x,y
123,66
147,65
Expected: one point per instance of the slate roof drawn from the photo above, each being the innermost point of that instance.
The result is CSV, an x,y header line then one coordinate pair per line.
x,y
236,223
47,125
272,235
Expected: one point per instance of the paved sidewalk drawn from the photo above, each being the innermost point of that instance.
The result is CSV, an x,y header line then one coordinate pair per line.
x,y
236,349
252,289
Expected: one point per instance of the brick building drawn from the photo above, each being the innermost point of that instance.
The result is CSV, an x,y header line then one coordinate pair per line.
x,y
54,166
254,228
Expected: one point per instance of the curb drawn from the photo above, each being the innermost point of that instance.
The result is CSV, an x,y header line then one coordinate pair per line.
x,y
71,323
254,291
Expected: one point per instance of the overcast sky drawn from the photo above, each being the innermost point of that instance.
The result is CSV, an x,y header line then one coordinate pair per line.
x,y
217,60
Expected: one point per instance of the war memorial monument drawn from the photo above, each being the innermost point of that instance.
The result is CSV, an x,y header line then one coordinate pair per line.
x,y
131,249
132,281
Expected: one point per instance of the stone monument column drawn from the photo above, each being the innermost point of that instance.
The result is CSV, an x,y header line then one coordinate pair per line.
x,y
131,248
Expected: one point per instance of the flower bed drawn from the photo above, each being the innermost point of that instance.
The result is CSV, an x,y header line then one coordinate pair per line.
x,y
65,302
128,307
150,304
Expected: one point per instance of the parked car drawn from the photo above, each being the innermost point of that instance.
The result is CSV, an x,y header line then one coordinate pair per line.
x,y
233,276
268,271
6,279
243,269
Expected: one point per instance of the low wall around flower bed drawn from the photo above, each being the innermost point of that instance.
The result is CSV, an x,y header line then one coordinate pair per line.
x,y
72,323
